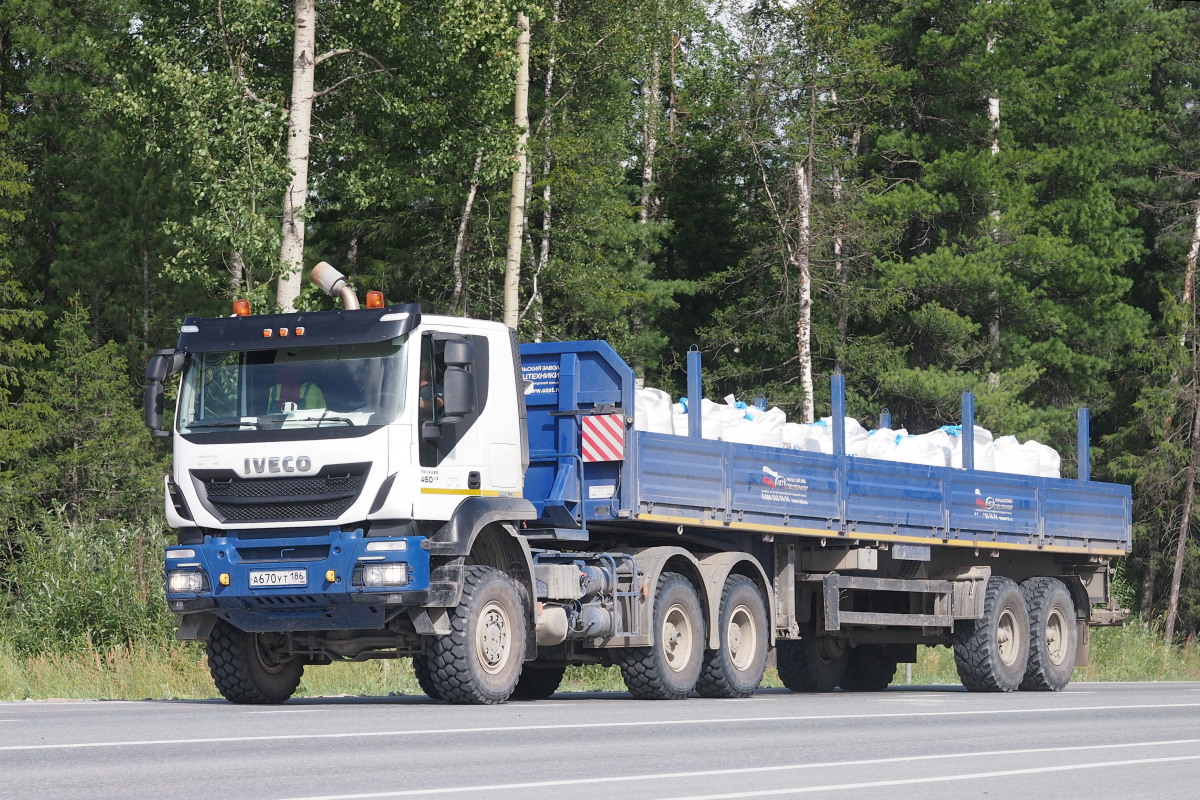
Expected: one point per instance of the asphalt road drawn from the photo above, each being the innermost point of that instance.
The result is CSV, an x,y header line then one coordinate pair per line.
x,y
1090,741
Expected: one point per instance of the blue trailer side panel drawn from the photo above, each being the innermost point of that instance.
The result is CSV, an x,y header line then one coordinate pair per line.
x,y
695,481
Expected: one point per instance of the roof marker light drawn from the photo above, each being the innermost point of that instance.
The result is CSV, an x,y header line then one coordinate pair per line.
x,y
374,299
283,332
300,330
267,333
241,308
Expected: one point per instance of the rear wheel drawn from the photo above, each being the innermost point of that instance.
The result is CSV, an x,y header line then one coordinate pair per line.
x,y
668,669
991,653
1053,634
479,662
811,664
252,667
869,668
735,668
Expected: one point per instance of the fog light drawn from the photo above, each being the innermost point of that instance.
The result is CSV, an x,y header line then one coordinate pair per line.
x,y
385,574
185,582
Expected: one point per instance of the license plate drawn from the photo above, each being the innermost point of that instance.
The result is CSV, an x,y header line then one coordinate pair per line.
x,y
278,577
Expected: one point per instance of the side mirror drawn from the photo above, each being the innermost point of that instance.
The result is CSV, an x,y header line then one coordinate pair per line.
x,y
458,392
161,365
459,353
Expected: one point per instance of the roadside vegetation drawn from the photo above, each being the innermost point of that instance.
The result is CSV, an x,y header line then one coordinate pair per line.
x,y
169,670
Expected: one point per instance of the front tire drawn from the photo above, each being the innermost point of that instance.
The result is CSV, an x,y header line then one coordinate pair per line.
x,y
736,667
251,668
479,662
991,653
812,663
670,668
1053,634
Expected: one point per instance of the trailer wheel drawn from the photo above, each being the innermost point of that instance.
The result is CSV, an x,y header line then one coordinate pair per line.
x,y
812,663
424,674
991,653
670,668
1052,634
251,668
735,669
479,662
869,668
538,682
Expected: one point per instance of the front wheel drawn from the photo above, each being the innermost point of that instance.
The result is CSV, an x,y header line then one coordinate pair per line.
x,y
252,668
668,669
1053,634
735,668
991,653
537,682
479,662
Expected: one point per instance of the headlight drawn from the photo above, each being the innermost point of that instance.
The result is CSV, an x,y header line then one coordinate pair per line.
x,y
186,582
385,574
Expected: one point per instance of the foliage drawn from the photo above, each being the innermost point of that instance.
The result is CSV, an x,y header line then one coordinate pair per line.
x,y
75,440
16,317
71,585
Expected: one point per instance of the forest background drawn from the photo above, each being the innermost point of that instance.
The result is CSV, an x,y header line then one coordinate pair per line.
x,y
928,195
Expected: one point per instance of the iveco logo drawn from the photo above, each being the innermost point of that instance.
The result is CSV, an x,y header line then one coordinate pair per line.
x,y
285,464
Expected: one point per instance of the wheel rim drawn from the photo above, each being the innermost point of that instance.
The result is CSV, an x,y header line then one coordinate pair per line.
x,y
742,637
492,638
1056,637
267,651
677,638
1008,643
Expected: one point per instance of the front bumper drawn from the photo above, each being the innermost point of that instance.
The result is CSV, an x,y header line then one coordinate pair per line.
x,y
325,565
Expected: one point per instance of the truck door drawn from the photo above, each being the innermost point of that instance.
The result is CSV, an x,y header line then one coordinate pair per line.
x,y
452,398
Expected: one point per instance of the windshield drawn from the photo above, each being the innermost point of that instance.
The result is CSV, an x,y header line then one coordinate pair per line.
x,y
301,387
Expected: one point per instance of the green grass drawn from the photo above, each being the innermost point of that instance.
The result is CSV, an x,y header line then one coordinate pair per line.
x,y
173,670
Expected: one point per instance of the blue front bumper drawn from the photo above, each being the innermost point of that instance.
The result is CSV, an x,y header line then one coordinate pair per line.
x,y
297,579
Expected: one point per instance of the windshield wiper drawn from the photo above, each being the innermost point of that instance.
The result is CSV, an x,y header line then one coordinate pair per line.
x,y
226,424
324,418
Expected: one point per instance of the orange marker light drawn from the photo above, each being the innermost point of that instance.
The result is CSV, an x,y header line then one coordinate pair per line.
x,y
374,299
267,333
241,308
283,332
300,331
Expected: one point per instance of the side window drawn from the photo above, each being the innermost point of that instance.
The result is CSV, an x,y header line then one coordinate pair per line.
x,y
431,395
429,398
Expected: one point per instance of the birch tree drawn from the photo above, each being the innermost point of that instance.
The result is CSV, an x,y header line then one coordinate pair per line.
x,y
516,209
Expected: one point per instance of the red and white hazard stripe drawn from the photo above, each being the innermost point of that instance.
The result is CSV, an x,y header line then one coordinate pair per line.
x,y
603,438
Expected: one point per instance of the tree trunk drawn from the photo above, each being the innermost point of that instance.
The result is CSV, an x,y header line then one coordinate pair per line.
x,y
803,267
646,211
291,251
458,300
1189,489
994,295
237,272
1185,524
516,208
535,307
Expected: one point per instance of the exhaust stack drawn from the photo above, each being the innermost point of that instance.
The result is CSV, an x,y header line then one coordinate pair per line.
x,y
332,282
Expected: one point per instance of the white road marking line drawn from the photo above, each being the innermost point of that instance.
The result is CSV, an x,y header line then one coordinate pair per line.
x,y
288,711
842,787
598,725
785,768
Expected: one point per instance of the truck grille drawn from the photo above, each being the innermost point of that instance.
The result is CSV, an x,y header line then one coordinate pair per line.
x,y
325,495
